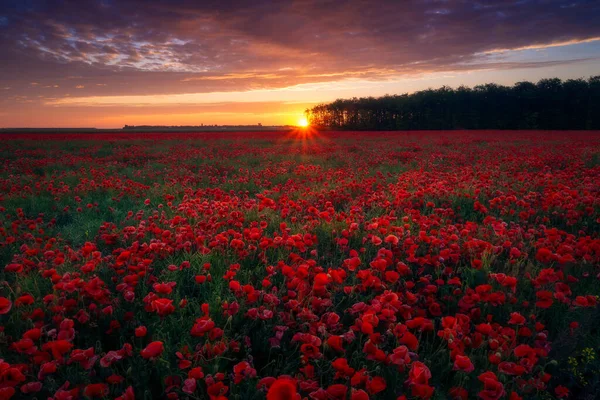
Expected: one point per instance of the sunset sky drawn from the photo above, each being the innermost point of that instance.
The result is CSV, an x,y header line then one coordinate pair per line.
x,y
107,63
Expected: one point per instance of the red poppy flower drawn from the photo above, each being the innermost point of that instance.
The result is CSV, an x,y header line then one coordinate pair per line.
x,y
419,373
141,331
516,319
421,391
457,393
31,387
128,395
336,343
336,392
359,395
321,280
96,390
58,348
283,389
342,368
153,350
463,363
561,392
544,299
189,386
7,392
376,385
5,305
492,389
162,307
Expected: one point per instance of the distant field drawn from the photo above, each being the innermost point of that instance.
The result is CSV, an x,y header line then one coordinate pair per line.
x,y
448,264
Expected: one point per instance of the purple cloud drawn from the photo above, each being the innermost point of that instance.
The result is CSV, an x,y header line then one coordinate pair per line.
x,y
183,46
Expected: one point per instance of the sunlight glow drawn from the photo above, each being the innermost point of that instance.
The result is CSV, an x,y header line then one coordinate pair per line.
x,y
303,122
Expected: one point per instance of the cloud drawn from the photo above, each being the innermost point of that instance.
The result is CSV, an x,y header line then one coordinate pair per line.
x,y
313,92
247,75
296,93
226,38
541,46
242,47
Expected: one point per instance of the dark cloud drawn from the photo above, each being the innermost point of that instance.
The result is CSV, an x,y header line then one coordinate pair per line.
x,y
179,46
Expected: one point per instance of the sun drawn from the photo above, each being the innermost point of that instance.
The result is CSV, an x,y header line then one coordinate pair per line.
x,y
303,122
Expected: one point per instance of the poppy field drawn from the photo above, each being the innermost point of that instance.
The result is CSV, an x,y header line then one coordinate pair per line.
x,y
300,265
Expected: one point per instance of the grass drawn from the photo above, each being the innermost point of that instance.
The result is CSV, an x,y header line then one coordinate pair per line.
x,y
370,186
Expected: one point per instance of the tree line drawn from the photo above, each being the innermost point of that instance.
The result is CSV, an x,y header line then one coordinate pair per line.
x,y
547,104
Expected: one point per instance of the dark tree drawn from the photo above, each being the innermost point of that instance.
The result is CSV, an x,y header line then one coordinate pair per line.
x,y
549,104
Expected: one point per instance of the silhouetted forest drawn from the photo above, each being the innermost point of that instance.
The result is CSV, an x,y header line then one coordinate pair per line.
x,y
549,104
